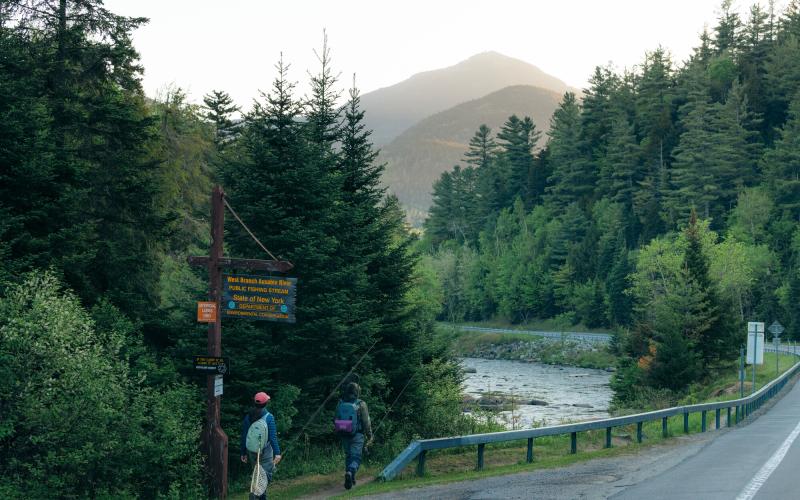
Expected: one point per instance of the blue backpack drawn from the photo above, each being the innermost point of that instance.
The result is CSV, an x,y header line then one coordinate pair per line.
x,y
346,421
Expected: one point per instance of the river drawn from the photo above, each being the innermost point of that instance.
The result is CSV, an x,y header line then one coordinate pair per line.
x,y
572,394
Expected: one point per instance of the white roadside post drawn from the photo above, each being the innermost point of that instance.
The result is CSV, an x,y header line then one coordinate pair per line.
x,y
755,346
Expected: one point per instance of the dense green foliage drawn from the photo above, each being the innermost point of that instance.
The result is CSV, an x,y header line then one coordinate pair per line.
x,y
87,410
598,227
106,191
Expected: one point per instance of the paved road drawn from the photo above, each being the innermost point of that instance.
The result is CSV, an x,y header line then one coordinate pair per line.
x,y
589,337
760,460
756,460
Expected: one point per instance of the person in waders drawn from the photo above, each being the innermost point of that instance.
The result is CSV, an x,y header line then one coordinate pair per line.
x,y
353,426
258,431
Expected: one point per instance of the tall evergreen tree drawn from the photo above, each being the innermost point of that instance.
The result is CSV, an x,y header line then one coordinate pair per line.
x,y
517,138
596,111
490,188
482,148
573,178
781,165
692,173
727,32
714,333
455,214
220,108
757,44
98,220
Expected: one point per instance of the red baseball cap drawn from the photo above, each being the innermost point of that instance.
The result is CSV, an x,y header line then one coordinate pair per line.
x,y
261,398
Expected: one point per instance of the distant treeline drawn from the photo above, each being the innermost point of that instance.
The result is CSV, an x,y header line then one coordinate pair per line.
x,y
665,203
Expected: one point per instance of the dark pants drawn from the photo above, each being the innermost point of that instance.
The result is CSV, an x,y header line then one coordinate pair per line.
x,y
266,463
353,445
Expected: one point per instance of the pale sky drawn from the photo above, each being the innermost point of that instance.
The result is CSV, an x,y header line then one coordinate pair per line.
x,y
233,45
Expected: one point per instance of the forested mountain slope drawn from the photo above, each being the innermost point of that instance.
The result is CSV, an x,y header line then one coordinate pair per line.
x,y
416,158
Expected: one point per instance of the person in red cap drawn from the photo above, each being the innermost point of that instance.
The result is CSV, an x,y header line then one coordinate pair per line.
x,y
271,453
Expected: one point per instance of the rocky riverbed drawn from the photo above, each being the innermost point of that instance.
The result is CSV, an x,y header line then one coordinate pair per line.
x,y
522,394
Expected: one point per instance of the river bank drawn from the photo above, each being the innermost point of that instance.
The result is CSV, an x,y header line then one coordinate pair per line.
x,y
532,349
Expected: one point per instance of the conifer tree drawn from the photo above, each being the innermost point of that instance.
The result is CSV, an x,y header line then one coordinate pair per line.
x,y
757,44
692,181
220,108
596,111
712,331
490,184
517,139
98,218
727,31
781,165
454,214
621,170
482,148
573,178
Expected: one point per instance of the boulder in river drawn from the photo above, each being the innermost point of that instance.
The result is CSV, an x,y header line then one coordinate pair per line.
x,y
469,370
537,402
582,405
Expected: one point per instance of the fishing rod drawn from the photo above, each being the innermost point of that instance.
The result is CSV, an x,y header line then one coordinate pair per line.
x,y
319,409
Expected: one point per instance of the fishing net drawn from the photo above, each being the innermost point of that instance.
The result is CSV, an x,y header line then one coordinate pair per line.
x,y
259,481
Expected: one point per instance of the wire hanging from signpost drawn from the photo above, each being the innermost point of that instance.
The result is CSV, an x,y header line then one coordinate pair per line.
x,y
236,216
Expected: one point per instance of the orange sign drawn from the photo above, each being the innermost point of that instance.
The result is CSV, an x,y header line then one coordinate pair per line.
x,y
206,312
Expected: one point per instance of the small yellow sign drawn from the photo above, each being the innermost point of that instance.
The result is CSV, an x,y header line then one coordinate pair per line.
x,y
206,312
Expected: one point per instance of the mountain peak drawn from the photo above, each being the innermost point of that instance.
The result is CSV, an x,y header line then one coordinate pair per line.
x,y
391,110
491,55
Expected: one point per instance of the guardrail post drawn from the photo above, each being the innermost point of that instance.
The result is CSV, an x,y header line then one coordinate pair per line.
x,y
703,421
728,423
421,463
530,450
716,419
573,448
608,437
686,422
480,456
664,427
639,432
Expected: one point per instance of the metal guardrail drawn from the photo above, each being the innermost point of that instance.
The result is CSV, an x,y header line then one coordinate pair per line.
x,y
737,410
585,336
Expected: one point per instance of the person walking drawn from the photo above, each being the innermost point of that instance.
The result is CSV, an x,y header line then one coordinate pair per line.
x,y
258,426
353,426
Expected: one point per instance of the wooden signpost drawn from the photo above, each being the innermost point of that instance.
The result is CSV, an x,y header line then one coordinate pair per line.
x,y
215,441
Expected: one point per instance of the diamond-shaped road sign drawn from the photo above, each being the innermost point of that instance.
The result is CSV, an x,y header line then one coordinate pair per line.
x,y
776,329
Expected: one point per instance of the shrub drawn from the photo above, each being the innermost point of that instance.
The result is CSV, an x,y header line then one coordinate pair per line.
x,y
76,421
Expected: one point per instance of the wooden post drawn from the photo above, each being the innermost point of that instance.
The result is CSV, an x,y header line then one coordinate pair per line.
x,y
216,441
